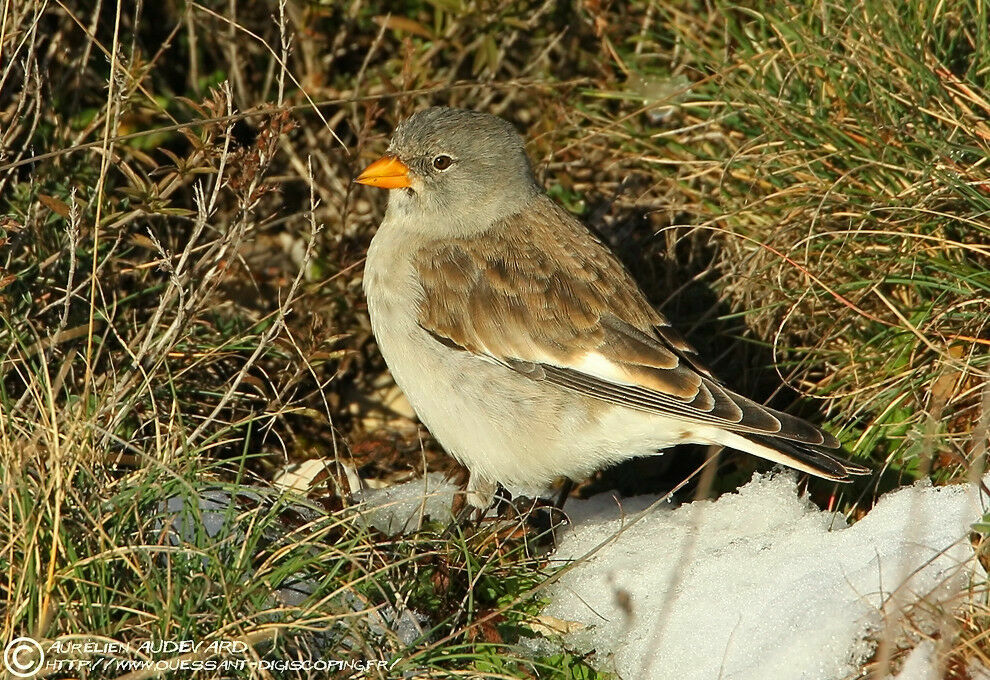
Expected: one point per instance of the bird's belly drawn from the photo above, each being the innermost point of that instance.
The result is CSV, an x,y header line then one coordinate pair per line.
x,y
481,413
506,427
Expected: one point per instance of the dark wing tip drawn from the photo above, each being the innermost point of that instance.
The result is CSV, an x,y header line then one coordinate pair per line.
x,y
821,461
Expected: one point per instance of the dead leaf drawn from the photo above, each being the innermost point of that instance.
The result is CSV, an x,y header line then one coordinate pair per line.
x,y
404,24
547,625
55,205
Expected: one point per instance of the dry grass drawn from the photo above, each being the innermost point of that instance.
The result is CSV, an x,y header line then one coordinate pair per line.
x,y
800,189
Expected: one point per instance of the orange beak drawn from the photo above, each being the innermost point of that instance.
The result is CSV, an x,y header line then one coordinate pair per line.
x,y
388,172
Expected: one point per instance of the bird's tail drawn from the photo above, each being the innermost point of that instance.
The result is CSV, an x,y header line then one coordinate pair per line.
x,y
820,461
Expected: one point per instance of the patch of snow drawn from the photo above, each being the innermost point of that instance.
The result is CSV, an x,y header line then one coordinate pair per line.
x,y
211,511
978,671
404,507
757,584
921,664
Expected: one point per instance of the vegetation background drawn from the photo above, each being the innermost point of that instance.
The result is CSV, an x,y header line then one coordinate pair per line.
x,y
802,187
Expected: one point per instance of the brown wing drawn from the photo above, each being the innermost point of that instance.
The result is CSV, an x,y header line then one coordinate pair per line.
x,y
555,304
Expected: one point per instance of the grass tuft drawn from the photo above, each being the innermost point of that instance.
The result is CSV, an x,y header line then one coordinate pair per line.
x,y
802,188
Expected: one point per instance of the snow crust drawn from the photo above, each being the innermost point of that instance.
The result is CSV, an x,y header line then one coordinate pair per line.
x,y
758,584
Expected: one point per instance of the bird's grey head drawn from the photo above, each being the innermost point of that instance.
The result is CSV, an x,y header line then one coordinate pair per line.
x,y
454,170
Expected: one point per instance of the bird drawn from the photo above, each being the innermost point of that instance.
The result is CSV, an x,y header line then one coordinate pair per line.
x,y
521,341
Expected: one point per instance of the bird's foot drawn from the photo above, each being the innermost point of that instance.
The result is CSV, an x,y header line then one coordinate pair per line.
x,y
536,521
465,516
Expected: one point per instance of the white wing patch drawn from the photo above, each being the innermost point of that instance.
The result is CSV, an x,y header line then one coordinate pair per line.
x,y
599,366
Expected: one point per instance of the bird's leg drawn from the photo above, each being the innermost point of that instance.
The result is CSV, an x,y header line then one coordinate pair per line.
x,y
461,518
503,503
457,505
480,492
544,517
553,509
478,495
562,495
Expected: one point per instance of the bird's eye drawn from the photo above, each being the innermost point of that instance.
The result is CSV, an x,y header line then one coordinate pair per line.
x,y
442,162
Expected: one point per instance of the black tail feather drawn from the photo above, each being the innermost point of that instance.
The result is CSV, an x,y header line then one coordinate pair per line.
x,y
823,461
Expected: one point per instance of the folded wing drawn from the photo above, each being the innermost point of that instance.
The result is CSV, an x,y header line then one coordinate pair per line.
x,y
555,304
